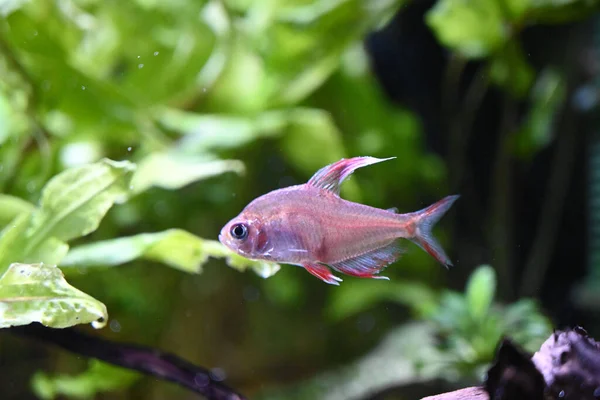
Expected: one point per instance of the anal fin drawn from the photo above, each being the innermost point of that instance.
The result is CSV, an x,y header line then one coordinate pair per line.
x,y
322,272
368,265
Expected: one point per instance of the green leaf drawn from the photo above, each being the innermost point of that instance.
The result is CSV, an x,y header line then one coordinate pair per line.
x,y
474,28
39,293
176,248
480,291
174,171
99,377
11,207
510,70
74,202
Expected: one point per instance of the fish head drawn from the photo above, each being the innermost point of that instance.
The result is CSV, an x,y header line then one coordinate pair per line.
x,y
246,236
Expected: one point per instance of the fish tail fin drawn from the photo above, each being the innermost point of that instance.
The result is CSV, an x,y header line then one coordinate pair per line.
x,y
425,221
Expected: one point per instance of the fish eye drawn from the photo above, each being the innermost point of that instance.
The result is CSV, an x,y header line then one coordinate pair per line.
x,y
239,231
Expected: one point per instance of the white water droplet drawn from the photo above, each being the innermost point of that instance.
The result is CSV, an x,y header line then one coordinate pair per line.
x,y
140,66
129,149
204,89
156,53
82,87
139,56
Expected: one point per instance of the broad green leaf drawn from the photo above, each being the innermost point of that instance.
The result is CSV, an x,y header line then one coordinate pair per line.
x,y
174,171
74,202
11,207
510,70
474,28
356,296
99,377
176,248
39,293
480,291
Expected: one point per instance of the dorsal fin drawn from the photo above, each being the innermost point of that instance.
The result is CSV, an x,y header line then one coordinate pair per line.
x,y
331,176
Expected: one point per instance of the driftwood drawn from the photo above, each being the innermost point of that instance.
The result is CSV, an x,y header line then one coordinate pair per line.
x,y
567,367
146,360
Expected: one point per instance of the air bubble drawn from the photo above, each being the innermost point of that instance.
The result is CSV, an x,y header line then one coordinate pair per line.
x,y
115,326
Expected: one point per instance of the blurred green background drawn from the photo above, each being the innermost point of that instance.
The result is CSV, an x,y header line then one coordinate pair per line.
x,y
217,102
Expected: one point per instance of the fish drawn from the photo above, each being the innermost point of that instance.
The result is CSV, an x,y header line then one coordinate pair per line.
x,y
311,226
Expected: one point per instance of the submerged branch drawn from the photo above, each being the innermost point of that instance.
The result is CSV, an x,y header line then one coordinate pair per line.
x,y
146,360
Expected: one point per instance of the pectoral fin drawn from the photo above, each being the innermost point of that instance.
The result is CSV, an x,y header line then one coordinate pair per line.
x,y
322,272
331,176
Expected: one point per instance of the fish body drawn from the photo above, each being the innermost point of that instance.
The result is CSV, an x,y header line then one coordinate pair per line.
x,y
310,225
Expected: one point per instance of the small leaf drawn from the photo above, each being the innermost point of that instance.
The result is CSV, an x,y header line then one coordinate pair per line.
x,y
176,248
473,28
99,377
39,293
174,171
11,207
480,291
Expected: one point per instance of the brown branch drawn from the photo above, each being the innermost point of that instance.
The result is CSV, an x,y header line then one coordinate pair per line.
x,y
146,360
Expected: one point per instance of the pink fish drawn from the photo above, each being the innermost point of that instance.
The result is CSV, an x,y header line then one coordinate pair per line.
x,y
311,226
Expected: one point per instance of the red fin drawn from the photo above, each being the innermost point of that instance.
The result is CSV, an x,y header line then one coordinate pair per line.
x,y
331,176
322,272
371,263
426,219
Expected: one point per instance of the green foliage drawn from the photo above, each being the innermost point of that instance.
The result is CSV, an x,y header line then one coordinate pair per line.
x,y
99,377
474,28
354,297
181,92
480,292
487,29
72,205
39,293
470,325
11,207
